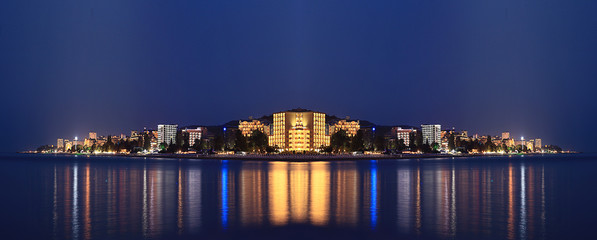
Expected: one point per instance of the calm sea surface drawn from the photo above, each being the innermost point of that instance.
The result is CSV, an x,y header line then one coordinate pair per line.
x,y
80,197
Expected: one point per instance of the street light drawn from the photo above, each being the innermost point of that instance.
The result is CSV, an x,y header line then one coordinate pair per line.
x,y
225,140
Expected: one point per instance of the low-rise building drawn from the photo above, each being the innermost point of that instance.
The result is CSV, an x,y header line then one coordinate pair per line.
x,y
67,145
351,127
506,135
248,126
530,144
403,134
88,142
538,145
60,144
193,135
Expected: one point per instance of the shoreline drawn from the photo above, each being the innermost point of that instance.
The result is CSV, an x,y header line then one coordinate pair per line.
x,y
298,157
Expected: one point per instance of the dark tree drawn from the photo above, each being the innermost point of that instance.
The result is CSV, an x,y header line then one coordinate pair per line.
x,y
379,143
339,141
163,146
109,145
205,144
240,143
434,147
270,149
146,141
475,145
426,148
412,145
401,146
451,142
258,141
172,148
218,144
489,146
419,140
197,145
181,138
358,141
505,148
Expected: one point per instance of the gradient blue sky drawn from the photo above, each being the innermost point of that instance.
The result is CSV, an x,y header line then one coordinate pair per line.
x,y
68,67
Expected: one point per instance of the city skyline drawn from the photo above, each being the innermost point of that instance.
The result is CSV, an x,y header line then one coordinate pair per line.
x,y
278,134
180,126
112,66
300,130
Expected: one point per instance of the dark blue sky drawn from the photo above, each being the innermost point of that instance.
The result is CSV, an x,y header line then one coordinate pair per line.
x,y
68,67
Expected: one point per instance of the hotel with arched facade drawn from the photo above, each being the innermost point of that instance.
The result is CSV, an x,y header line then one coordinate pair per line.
x,y
298,129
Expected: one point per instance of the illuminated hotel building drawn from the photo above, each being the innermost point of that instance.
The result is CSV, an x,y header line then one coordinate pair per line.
x,y
403,134
431,133
92,135
299,137
167,133
506,135
194,134
537,144
88,142
530,144
351,127
248,126
60,143
299,130
510,142
67,145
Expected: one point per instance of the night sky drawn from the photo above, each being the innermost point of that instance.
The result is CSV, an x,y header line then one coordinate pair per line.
x,y
527,66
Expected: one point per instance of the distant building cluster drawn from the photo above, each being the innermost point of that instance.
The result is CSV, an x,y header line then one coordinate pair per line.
x,y
298,130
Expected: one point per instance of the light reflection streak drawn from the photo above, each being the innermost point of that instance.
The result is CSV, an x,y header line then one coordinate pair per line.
x,y
523,200
144,217
323,194
75,211
373,195
543,201
453,203
418,205
87,215
510,202
251,194
193,200
224,189
319,193
278,193
55,205
404,201
299,181
67,202
179,209
347,195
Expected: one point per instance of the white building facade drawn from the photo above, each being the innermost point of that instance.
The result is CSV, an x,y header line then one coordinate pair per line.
x,y
431,133
167,133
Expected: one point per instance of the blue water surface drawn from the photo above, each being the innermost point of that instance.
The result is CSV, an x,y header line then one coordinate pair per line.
x,y
91,197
